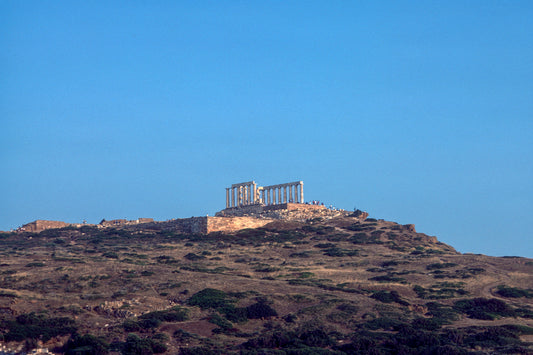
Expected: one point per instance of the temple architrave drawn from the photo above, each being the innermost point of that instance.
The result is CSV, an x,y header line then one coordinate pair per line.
x,y
248,193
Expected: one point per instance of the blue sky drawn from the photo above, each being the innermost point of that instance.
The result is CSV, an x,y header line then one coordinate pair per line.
x,y
415,111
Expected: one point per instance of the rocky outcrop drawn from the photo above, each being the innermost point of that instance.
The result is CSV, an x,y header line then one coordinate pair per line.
x,y
288,211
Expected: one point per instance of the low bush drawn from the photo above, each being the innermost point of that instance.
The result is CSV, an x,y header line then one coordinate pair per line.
x,y
338,252
165,259
426,323
392,263
363,238
389,297
219,321
442,290
209,298
324,245
181,335
154,319
483,308
174,314
524,313
35,264
37,326
440,266
384,323
266,268
260,310
305,340
86,344
441,313
194,257
8,294
514,292
135,345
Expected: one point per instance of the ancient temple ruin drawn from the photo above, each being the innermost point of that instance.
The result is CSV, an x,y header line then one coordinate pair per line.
x,y
248,193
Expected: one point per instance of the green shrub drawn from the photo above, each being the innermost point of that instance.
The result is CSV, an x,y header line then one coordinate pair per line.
x,y
260,310
135,345
221,322
266,268
181,335
348,308
132,325
514,292
440,266
338,252
442,290
363,238
390,263
153,319
384,323
443,314
389,297
35,264
194,257
234,314
37,326
165,259
209,298
174,314
85,345
483,308
8,294
251,233
306,340
325,245
524,313
426,323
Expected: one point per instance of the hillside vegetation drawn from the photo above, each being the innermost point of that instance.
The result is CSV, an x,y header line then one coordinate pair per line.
x,y
325,286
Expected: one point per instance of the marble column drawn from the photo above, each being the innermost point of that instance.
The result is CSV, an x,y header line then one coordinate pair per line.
x,y
254,193
301,192
290,194
227,197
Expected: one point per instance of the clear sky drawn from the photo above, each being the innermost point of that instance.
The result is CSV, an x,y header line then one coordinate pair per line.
x,y
415,111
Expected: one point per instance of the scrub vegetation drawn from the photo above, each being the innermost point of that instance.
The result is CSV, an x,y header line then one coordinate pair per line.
x,y
324,286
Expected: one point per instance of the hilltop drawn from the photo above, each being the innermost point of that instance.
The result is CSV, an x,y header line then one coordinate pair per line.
x,y
300,282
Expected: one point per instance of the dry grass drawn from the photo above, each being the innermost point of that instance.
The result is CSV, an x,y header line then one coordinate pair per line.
x,y
82,271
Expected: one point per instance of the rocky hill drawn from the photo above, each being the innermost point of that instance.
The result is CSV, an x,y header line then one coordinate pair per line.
x,y
330,283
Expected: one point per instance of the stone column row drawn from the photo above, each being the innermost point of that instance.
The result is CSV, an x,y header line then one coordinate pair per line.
x,y
241,194
277,194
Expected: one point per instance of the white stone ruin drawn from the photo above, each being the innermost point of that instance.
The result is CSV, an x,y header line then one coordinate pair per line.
x,y
248,193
